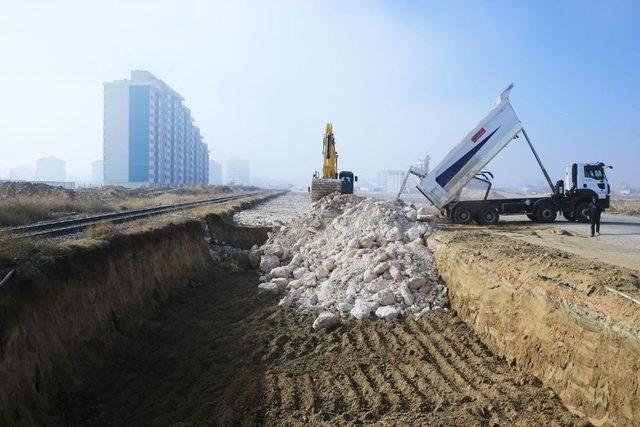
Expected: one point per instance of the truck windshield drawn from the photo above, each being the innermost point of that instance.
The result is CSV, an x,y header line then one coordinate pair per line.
x,y
593,171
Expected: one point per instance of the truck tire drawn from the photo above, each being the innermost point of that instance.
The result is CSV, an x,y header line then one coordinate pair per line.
x,y
568,215
546,212
532,217
488,216
461,215
582,212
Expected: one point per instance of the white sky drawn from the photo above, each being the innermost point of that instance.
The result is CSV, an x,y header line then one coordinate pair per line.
x,y
262,78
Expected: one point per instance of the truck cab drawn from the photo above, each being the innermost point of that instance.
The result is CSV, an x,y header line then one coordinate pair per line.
x,y
583,181
347,180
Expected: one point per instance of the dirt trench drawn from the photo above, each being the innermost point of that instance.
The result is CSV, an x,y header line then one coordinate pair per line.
x,y
223,354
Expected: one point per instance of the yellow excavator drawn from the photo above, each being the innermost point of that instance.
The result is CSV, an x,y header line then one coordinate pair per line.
x,y
331,180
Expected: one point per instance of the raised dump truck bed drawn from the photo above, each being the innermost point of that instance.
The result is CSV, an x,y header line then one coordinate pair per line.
x,y
467,160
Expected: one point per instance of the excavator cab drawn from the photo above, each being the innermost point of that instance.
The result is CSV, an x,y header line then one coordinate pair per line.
x,y
346,181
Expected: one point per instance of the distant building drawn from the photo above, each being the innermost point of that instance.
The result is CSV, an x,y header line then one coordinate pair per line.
x,y
149,135
51,169
390,181
21,173
215,173
238,172
97,172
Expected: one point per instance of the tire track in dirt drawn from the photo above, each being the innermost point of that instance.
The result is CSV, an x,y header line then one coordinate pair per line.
x,y
221,354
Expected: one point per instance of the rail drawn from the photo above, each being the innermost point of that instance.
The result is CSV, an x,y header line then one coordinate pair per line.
x,y
71,226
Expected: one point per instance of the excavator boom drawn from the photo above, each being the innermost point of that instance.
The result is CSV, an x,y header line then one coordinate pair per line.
x,y
329,154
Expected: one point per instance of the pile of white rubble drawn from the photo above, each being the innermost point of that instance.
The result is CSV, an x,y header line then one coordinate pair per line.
x,y
353,256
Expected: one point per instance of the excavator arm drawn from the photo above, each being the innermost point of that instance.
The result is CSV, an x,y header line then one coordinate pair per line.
x,y
329,154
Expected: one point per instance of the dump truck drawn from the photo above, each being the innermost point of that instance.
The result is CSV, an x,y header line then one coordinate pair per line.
x,y
443,185
331,180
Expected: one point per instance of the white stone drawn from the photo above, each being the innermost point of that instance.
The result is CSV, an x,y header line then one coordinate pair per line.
x,y
286,301
384,298
411,215
313,299
368,240
394,271
361,310
299,272
325,320
297,259
329,263
268,262
387,313
269,287
308,279
416,282
281,282
368,275
294,284
393,235
354,243
280,272
377,285
381,268
406,294
344,307
322,273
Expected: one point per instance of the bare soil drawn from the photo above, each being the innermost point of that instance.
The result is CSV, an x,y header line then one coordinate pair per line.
x,y
222,354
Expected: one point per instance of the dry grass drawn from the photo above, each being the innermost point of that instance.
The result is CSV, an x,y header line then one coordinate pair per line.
x,y
625,207
100,230
21,210
17,250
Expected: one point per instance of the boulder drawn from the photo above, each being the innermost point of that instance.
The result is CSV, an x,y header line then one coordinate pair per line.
x,y
344,307
294,284
416,282
286,301
329,263
387,313
394,272
393,235
411,214
381,268
384,297
322,273
308,279
297,259
299,272
325,320
377,285
269,262
281,282
269,288
406,294
280,272
368,275
361,310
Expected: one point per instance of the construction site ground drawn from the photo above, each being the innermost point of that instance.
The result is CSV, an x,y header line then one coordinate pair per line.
x,y
618,243
221,353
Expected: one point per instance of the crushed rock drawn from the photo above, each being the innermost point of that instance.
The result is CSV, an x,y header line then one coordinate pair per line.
x,y
353,256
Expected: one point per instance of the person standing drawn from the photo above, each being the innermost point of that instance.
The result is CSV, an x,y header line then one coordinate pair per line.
x,y
594,215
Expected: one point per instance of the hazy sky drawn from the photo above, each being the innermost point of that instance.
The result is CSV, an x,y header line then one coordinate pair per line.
x,y
397,79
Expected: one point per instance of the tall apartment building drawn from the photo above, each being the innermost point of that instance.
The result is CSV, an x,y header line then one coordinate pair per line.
x,y
215,173
390,181
150,138
238,172
51,169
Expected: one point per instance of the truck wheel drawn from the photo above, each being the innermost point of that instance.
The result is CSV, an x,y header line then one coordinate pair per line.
x,y
488,216
532,217
582,212
461,215
546,212
568,215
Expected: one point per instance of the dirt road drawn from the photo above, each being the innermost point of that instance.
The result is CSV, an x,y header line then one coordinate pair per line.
x,y
618,244
223,354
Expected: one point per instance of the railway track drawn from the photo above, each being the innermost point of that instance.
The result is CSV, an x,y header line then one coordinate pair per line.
x,y
71,226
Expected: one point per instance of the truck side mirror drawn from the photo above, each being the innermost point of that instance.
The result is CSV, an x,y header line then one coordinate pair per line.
x,y
356,178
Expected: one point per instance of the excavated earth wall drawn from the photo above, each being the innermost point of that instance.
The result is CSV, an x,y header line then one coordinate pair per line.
x,y
551,314
58,318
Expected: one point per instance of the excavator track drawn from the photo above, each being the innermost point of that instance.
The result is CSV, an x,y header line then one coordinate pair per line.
x,y
321,187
